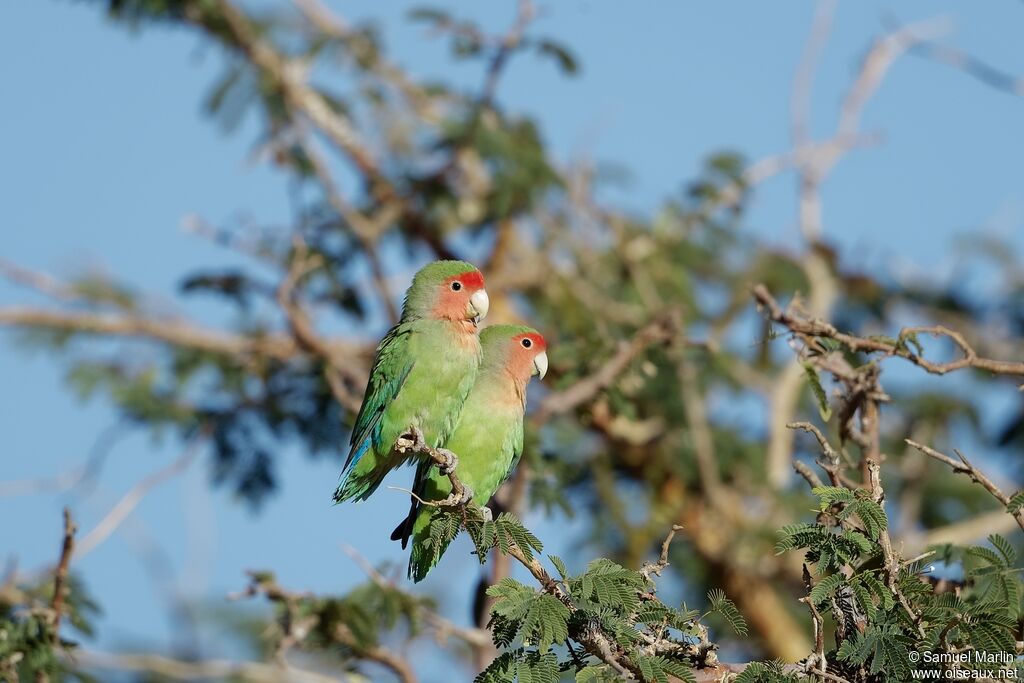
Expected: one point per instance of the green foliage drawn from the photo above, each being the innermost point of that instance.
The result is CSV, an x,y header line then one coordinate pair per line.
x,y
725,607
367,612
536,625
882,617
656,668
538,618
818,390
1016,502
884,646
853,502
521,666
29,642
504,532
766,672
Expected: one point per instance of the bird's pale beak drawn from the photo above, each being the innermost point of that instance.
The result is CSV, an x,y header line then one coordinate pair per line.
x,y
540,364
478,305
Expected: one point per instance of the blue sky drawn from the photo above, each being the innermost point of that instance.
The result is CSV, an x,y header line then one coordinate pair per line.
x,y
105,150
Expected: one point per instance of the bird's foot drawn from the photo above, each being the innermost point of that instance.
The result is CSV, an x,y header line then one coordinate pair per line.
x,y
451,461
455,500
411,440
486,513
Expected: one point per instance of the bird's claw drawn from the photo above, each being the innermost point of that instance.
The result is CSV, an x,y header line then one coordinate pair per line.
x,y
454,500
451,461
486,513
412,440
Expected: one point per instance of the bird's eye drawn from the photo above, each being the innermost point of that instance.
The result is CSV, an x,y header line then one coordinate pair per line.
x,y
527,343
456,286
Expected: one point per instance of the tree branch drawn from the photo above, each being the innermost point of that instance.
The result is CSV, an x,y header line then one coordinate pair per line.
x,y
213,669
964,466
60,575
124,507
821,329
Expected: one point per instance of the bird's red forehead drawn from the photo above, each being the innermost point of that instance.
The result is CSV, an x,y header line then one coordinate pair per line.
x,y
472,280
539,344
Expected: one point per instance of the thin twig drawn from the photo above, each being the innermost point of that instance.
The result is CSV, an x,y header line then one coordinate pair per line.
x,y
443,627
964,466
887,347
657,567
60,575
124,507
213,669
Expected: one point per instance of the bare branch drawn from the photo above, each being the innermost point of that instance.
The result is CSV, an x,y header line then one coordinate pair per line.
x,y
821,329
295,90
971,65
812,479
175,332
60,575
213,669
124,507
366,230
413,443
657,567
879,59
296,626
964,466
475,637
40,282
329,23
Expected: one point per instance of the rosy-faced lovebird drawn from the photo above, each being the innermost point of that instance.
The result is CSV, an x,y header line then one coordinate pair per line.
x,y
424,368
488,438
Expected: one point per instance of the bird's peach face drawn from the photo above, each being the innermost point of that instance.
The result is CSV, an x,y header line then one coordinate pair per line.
x,y
462,298
528,355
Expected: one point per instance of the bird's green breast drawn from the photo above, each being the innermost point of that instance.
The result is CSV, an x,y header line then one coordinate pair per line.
x,y
444,370
487,439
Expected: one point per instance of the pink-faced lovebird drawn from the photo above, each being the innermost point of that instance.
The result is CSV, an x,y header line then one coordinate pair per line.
x,y
424,368
488,438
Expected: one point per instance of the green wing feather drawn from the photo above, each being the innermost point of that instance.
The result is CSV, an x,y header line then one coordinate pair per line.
x,y
391,368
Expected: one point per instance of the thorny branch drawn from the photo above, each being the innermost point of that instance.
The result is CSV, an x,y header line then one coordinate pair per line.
x,y
964,466
814,328
657,567
816,662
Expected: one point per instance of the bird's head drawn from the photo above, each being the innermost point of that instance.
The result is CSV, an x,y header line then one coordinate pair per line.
x,y
522,350
447,290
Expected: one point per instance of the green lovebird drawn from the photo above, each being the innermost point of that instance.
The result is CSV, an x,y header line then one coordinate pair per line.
x,y
488,438
424,368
